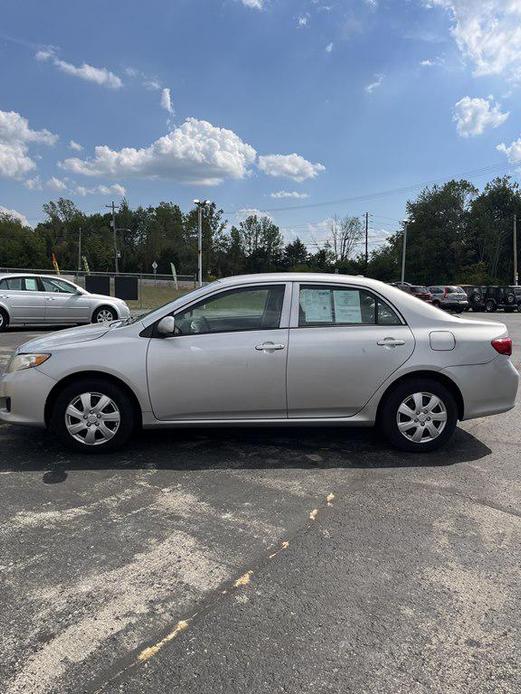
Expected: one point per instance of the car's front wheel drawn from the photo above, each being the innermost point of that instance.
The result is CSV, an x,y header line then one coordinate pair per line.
x,y
104,314
93,416
490,306
419,415
4,320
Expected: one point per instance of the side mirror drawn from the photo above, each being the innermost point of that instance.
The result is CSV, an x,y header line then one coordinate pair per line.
x,y
166,326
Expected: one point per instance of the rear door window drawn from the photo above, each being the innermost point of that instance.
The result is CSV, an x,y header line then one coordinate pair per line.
x,y
329,306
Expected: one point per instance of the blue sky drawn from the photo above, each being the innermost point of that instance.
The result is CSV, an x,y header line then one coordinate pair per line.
x,y
256,104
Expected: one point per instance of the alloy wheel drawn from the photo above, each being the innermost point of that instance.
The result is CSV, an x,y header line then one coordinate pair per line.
x,y
104,316
92,418
421,417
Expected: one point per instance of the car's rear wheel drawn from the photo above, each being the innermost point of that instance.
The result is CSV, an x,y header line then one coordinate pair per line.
x,y
419,415
4,320
93,416
104,314
490,306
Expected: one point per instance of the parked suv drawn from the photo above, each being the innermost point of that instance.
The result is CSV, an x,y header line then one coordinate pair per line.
x,y
491,299
449,297
416,289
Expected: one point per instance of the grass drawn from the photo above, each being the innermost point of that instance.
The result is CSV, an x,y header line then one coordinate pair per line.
x,y
152,297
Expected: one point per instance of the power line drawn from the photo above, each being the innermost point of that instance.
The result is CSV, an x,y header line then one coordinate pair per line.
x,y
483,171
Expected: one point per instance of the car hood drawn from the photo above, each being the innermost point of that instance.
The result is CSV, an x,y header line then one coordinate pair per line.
x,y
70,336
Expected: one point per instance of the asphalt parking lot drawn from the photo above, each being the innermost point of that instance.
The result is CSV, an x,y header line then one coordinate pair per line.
x,y
268,560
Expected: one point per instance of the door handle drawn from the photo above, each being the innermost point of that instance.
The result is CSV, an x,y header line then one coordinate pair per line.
x,y
51,298
268,347
390,342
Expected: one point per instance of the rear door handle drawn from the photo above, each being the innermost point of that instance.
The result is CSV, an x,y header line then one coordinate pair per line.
x,y
390,342
268,347
51,298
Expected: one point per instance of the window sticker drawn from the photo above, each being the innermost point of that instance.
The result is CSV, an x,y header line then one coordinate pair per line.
x,y
347,306
316,304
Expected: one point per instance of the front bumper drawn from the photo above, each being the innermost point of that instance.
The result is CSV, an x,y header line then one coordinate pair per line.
x,y
487,389
23,395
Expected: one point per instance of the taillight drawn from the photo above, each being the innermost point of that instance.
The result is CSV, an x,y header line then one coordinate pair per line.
x,y
503,345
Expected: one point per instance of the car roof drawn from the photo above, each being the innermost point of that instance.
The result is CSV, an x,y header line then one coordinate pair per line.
x,y
3,275
327,278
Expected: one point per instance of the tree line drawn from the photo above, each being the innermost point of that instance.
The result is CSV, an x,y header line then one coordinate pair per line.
x,y
455,234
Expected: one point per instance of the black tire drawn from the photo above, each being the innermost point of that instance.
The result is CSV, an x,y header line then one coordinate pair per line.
x,y
459,310
387,420
4,320
104,310
127,423
437,304
490,306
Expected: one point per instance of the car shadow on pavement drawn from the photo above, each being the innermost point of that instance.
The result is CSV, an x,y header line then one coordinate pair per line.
x,y
230,448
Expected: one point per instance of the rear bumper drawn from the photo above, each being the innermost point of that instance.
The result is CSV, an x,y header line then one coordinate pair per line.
x,y
487,389
23,395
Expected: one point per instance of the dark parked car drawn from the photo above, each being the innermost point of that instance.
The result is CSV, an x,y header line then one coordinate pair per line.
x,y
491,299
416,289
449,297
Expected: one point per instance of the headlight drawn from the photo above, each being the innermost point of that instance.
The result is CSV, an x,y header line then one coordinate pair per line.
x,y
26,361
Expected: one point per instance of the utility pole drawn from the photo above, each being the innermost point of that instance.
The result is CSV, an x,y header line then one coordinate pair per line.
x,y
79,249
200,204
404,249
114,207
516,278
366,240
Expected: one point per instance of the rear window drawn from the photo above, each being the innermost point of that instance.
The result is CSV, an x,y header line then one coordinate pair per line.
x,y
455,290
420,290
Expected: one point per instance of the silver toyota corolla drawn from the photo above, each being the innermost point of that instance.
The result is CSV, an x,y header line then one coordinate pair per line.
x,y
27,299
292,349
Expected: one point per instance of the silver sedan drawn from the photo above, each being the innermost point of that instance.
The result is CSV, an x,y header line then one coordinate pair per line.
x,y
274,349
47,299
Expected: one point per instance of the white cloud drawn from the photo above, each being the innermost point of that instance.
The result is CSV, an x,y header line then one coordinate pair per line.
x,y
166,100
195,152
474,116
75,146
255,4
99,75
56,184
14,214
246,212
33,183
303,20
373,4
15,137
287,194
329,47
374,85
488,32
427,63
290,166
115,189
512,151
152,84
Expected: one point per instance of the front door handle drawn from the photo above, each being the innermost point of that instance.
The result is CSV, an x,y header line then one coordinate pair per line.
x,y
268,347
51,298
390,342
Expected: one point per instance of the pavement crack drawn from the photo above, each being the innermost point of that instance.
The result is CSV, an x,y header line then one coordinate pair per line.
x,y
145,653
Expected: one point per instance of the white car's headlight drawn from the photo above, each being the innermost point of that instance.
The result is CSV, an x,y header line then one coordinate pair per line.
x,y
26,361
